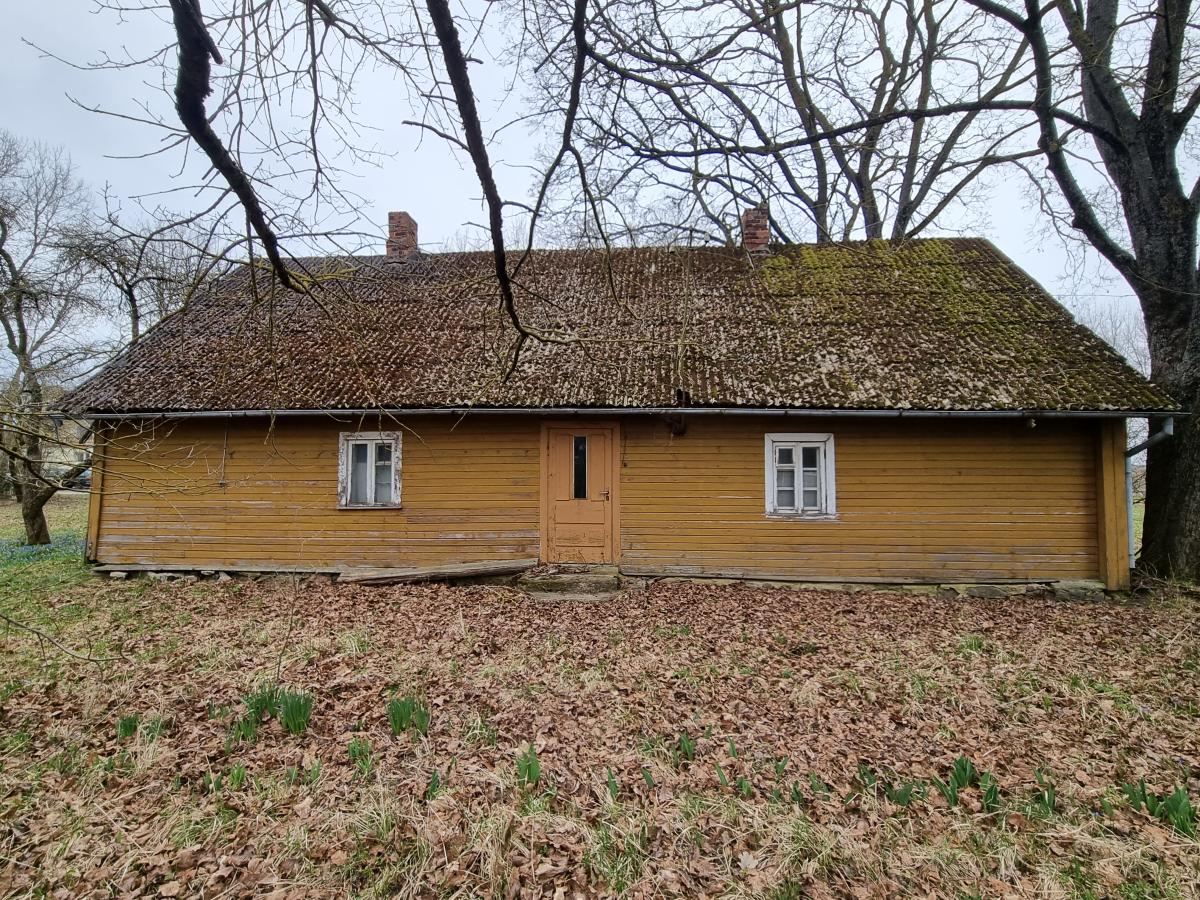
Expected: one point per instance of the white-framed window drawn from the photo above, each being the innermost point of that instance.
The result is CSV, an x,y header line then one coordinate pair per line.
x,y
799,475
369,469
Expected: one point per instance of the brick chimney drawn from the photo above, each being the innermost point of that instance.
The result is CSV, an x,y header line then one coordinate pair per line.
x,y
402,236
756,228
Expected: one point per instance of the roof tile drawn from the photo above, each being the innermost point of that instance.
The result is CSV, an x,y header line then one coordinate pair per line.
x,y
932,324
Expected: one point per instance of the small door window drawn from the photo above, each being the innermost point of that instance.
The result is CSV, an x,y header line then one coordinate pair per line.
x,y
579,468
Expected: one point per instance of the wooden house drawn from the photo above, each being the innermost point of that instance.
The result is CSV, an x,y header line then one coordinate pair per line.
x,y
847,412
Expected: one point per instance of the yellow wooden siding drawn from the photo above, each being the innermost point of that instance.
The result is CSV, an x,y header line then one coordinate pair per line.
x,y
206,493
917,500
1111,500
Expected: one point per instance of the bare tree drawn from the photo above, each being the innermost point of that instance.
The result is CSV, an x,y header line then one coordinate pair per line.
x,y
146,271
44,300
264,92
853,118
1119,322
230,70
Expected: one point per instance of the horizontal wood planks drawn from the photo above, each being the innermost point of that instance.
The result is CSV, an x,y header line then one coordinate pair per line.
x,y
917,500
1112,514
210,493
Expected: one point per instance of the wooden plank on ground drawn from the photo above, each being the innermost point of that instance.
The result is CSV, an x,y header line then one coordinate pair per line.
x,y
216,567
435,573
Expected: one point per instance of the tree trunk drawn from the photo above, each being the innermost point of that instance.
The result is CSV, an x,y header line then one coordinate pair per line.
x,y
1171,534
135,314
33,513
18,490
35,496
35,492
8,471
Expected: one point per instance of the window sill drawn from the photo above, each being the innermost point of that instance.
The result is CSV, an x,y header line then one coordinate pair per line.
x,y
368,506
803,517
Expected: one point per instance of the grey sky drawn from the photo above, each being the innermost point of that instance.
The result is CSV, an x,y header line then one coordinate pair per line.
x,y
421,176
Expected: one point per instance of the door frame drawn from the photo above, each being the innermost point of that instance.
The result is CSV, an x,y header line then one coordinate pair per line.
x,y
614,427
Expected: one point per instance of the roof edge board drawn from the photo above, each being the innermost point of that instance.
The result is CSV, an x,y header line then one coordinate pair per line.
x,y
645,410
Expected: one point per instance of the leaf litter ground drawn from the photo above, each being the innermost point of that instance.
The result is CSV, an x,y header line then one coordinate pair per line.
x,y
685,740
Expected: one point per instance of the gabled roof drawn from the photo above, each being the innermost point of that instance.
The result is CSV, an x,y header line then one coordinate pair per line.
x,y
936,324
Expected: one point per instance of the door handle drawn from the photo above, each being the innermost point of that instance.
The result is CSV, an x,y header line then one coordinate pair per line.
x,y
604,495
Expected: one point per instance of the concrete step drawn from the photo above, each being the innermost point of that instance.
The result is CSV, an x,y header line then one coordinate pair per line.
x,y
591,582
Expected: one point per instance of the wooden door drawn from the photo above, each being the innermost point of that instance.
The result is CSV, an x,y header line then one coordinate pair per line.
x,y
579,498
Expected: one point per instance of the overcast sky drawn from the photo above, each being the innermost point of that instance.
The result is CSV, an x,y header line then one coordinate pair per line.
x,y
420,176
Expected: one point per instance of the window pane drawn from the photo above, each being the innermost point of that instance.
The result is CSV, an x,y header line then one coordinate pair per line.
x,y
809,481
360,484
383,473
579,490
812,500
785,498
784,456
383,484
808,457
785,478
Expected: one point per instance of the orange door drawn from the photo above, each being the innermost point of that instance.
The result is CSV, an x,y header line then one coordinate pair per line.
x,y
579,511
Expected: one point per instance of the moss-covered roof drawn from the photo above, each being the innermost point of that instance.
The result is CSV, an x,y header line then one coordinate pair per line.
x,y
937,324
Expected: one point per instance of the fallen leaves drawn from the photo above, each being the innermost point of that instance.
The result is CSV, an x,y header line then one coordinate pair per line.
x,y
772,686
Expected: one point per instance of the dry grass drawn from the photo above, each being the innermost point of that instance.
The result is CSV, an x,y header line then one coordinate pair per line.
x,y
777,692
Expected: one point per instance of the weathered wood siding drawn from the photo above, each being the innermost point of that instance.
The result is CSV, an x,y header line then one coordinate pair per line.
x,y
212,492
918,499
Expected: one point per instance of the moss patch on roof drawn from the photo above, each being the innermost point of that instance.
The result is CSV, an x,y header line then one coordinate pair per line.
x,y
932,324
